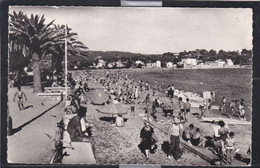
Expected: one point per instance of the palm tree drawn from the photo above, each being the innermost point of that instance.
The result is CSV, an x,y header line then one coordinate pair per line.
x,y
75,47
38,39
33,36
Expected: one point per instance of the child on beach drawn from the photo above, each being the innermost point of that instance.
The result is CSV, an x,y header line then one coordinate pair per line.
x,y
241,109
229,147
232,107
20,95
223,108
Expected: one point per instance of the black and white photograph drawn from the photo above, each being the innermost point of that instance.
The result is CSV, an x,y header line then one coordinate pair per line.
x,y
129,85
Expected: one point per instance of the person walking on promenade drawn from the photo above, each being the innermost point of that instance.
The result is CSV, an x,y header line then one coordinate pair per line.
x,y
20,94
174,134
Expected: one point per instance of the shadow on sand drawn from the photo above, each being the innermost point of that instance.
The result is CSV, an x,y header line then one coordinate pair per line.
x,y
111,119
15,130
26,107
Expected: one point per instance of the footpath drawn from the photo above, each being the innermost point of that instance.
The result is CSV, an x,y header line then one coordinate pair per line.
x,y
29,142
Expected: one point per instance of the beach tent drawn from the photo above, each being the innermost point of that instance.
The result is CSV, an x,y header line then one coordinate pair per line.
x,y
114,109
98,97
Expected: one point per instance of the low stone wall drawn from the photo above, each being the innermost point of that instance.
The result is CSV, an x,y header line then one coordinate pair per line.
x,y
50,96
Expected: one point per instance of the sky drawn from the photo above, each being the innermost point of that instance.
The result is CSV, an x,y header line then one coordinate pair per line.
x,y
153,30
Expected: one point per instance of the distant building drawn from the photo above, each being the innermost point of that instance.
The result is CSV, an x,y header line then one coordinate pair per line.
x,y
101,64
189,62
110,65
119,64
149,65
158,64
169,65
220,63
229,62
139,62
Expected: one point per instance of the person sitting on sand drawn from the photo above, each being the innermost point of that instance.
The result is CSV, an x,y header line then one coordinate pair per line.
x,y
120,121
187,133
20,94
197,139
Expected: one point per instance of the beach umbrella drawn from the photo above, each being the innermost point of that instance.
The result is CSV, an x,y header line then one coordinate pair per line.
x,y
98,97
114,109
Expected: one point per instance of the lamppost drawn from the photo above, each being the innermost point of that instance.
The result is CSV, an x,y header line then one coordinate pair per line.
x,y
66,62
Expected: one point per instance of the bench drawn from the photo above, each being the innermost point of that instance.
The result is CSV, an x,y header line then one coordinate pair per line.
x,y
77,152
50,96
54,89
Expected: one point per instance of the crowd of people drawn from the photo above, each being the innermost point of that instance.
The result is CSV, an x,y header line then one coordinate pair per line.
x,y
122,89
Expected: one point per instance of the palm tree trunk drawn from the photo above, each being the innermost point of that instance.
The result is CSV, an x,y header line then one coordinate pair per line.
x,y
37,87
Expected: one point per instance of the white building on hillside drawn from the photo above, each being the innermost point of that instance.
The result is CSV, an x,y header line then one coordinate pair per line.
x,y
158,64
139,62
101,64
188,62
229,62
119,64
169,65
220,63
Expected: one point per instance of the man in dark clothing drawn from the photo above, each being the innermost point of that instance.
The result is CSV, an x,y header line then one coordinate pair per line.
x,y
75,130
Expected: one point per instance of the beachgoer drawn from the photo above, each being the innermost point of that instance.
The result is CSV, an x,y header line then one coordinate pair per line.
x,y
169,91
187,133
230,148
241,109
172,92
174,134
223,108
232,107
197,139
181,108
223,133
146,136
213,96
76,101
132,110
20,94
120,121
75,130
54,84
147,102
187,110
